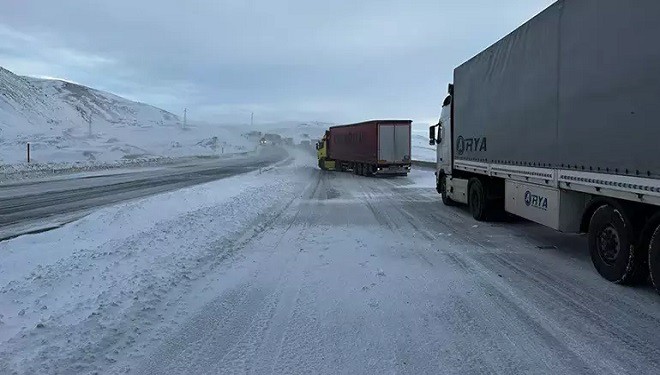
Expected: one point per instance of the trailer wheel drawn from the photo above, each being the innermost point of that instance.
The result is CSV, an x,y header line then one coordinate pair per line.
x,y
442,189
370,170
613,245
654,258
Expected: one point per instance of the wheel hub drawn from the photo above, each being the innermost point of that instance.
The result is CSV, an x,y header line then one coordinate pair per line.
x,y
608,244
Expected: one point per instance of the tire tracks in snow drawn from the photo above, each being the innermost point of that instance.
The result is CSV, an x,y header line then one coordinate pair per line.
x,y
257,315
509,299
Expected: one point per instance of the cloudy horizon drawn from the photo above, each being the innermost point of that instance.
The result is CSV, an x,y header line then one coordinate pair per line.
x,y
337,61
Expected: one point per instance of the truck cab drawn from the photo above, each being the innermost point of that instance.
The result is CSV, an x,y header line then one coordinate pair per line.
x,y
322,154
440,135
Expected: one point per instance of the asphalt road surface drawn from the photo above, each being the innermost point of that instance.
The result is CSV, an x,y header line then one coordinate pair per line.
x,y
39,205
361,275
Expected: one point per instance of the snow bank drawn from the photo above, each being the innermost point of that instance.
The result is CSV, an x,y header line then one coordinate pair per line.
x,y
73,298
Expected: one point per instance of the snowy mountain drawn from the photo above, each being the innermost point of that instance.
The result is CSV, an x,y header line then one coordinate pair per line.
x,y
91,103
31,105
68,122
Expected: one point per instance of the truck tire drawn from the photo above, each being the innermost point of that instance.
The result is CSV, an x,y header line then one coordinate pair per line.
x,y
442,189
654,258
370,170
613,245
477,200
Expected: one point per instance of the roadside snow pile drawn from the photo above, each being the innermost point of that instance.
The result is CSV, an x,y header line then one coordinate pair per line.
x,y
75,298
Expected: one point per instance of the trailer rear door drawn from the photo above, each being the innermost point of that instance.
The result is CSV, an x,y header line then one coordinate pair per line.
x,y
402,143
394,143
386,149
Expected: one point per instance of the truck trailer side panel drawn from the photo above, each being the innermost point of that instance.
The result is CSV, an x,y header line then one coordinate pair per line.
x,y
573,88
505,98
373,142
354,143
609,117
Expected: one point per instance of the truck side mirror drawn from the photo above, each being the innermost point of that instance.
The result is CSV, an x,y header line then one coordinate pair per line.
x,y
432,135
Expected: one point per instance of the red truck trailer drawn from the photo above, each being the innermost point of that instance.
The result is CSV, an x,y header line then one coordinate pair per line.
x,y
378,147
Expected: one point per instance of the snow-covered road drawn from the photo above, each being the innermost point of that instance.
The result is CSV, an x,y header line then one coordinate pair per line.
x,y
32,206
298,271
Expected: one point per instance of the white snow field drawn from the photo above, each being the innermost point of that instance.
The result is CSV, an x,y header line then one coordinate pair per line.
x,y
295,270
421,150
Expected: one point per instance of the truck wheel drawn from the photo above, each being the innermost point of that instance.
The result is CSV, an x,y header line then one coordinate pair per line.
x,y
477,200
442,189
369,170
654,258
612,245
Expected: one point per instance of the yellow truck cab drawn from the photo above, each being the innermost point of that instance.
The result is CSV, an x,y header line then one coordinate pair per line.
x,y
322,155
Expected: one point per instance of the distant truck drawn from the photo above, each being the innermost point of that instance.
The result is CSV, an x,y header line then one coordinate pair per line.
x,y
559,123
274,139
378,147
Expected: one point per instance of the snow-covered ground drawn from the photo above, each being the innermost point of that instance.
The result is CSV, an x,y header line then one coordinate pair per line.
x,y
421,150
83,287
298,271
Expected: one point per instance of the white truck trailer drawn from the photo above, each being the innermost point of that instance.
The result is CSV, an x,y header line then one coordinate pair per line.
x,y
559,123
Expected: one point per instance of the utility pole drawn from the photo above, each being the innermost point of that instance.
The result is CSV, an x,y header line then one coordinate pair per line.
x,y
251,119
185,115
89,126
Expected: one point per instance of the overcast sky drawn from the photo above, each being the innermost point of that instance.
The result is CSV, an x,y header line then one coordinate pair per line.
x,y
337,60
